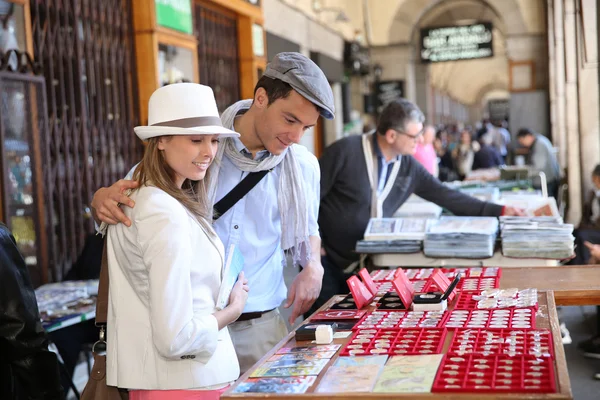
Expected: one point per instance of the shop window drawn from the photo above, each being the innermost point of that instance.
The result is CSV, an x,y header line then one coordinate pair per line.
x,y
175,64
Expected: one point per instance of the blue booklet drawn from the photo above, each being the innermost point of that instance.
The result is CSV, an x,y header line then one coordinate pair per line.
x,y
234,263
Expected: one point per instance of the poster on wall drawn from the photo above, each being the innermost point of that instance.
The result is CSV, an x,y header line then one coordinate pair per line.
x,y
453,43
174,14
386,92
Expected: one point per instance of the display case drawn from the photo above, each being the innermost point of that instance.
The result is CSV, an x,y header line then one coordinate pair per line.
x,y
23,123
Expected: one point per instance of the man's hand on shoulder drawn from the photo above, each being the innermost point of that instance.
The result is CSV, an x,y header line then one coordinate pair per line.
x,y
513,212
107,201
305,289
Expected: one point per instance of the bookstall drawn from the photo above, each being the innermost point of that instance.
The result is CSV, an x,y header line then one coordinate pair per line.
x,y
473,341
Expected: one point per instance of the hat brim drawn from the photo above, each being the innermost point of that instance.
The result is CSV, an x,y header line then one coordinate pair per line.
x,y
147,132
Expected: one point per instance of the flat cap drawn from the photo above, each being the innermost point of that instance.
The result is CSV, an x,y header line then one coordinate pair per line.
x,y
305,77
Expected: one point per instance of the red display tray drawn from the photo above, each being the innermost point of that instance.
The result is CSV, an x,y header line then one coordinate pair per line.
x,y
400,319
476,373
466,302
509,342
500,318
479,284
395,342
381,275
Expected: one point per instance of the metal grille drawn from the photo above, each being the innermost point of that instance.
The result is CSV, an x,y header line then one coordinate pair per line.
x,y
86,51
218,54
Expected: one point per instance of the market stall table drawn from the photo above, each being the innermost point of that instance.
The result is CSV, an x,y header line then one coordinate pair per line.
x,y
575,285
546,318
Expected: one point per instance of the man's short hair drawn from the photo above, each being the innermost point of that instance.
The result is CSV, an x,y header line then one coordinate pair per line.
x,y
523,132
398,114
276,88
596,171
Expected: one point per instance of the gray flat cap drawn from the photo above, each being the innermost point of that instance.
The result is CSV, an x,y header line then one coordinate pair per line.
x,y
305,77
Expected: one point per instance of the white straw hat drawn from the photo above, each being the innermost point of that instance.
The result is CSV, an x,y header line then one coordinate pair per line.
x,y
183,109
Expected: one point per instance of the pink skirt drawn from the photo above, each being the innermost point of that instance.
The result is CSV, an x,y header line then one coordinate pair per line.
x,y
177,394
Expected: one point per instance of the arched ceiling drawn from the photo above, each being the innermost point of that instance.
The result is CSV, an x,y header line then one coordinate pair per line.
x,y
397,22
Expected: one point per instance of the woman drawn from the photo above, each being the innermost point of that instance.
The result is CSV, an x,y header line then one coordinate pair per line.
x,y
165,337
464,153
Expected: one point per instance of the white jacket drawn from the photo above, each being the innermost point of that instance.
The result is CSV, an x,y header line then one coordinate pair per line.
x,y
165,273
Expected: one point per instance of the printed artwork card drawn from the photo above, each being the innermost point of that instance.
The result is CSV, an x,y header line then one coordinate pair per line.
x,y
408,374
350,378
287,371
317,355
290,384
321,362
360,361
309,349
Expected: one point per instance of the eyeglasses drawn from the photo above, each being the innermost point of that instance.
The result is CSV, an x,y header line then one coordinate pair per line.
x,y
413,137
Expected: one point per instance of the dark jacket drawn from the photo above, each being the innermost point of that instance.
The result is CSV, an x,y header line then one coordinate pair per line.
x,y
346,197
487,157
28,370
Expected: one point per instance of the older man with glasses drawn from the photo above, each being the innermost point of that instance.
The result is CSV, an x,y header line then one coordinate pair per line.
x,y
371,176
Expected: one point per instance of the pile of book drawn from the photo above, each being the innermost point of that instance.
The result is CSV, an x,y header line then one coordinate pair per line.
x,y
462,237
537,237
394,235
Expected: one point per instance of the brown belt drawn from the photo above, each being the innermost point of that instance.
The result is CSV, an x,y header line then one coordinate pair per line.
x,y
252,315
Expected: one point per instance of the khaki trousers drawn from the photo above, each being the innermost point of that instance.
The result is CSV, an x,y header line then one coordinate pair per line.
x,y
252,339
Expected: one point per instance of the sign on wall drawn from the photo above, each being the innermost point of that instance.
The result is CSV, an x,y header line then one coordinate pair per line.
x,y
174,14
498,109
386,92
453,43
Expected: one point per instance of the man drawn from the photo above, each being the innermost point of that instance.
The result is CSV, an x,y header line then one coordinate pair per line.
x,y
487,156
541,158
28,370
425,153
280,212
372,176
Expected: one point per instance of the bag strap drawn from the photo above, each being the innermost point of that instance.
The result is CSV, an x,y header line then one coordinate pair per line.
x,y
236,194
102,300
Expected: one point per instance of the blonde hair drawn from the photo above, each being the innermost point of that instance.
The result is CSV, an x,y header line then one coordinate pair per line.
x,y
154,170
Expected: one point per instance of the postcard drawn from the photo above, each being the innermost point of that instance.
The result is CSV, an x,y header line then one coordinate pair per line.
x,y
349,378
309,349
317,355
359,361
320,362
290,384
408,374
287,371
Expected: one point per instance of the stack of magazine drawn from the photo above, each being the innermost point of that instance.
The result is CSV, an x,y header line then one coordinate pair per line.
x,y
462,237
394,235
537,237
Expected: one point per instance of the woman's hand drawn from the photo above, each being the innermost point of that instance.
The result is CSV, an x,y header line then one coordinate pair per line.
x,y
239,295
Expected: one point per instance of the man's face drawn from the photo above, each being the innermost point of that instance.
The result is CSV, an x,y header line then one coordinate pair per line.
x,y
283,122
596,181
526,141
404,142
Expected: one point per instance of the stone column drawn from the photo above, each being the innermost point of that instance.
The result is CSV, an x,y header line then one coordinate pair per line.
x,y
589,107
556,30
572,111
